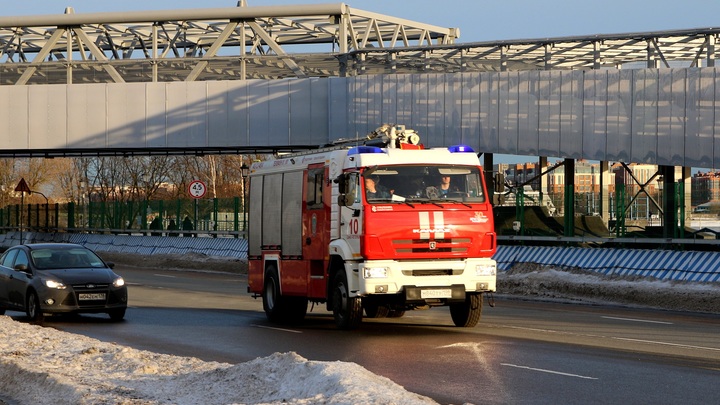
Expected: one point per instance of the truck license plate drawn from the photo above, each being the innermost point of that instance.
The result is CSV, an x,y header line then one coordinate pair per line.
x,y
436,293
91,297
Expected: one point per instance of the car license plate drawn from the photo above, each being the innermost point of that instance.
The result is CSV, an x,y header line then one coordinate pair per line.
x,y
436,293
91,297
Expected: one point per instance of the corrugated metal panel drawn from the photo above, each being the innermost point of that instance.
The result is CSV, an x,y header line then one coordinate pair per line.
x,y
663,265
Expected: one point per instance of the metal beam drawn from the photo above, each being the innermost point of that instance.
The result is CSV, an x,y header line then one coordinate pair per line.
x,y
99,55
40,57
130,17
212,51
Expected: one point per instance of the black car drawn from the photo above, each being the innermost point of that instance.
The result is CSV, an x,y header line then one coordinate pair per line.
x,y
59,278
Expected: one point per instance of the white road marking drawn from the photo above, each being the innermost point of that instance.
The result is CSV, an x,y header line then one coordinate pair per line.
x,y
616,338
164,275
549,371
636,320
668,344
280,329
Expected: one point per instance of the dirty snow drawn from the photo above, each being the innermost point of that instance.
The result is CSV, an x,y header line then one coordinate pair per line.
x,y
40,365
533,281
45,366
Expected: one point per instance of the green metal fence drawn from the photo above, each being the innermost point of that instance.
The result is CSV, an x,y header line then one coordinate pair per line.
x,y
217,216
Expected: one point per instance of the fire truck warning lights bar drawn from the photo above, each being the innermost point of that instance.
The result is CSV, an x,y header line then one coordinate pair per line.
x,y
460,149
364,149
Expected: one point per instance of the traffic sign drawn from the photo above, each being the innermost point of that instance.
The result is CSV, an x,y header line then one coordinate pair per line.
x,y
22,186
197,189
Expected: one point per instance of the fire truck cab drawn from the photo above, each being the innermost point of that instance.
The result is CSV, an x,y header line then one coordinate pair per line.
x,y
372,229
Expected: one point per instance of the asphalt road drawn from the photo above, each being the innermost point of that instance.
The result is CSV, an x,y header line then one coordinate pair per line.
x,y
522,351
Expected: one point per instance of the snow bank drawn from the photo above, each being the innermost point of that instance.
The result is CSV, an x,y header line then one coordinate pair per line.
x,y
46,366
529,280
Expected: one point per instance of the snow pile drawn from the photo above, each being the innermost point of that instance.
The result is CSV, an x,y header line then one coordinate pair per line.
x,y
46,366
534,281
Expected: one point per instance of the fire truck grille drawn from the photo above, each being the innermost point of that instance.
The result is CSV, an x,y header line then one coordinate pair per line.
x,y
456,245
433,272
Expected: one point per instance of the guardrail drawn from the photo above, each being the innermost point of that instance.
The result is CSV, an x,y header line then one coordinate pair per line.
x,y
137,243
693,266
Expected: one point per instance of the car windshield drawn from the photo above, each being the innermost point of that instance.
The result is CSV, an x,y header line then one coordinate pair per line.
x,y
53,258
418,183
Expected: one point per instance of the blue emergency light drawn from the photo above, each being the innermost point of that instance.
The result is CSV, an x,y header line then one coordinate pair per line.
x,y
460,149
364,149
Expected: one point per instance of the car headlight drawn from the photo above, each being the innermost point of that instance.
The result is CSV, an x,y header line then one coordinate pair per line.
x,y
119,282
375,272
55,284
485,270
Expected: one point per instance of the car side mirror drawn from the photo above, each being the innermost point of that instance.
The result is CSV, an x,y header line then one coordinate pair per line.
x,y
110,265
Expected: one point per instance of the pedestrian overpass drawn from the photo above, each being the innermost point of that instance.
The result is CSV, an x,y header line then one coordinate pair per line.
x,y
261,79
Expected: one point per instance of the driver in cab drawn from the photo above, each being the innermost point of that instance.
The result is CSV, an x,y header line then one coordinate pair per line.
x,y
373,190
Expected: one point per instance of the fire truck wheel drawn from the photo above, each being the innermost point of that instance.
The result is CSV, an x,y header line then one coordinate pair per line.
x,y
467,314
375,310
272,300
346,310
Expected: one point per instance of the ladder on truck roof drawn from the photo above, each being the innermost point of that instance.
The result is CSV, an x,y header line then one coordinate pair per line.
x,y
386,135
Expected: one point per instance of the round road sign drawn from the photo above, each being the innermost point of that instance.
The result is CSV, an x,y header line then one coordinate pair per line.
x,y
197,189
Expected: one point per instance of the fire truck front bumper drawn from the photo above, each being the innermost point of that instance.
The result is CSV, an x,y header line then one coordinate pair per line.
x,y
451,293
421,280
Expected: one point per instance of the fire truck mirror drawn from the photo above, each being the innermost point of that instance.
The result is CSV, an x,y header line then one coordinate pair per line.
x,y
347,187
341,181
346,200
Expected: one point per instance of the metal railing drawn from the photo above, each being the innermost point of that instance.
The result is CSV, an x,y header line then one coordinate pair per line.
x,y
218,217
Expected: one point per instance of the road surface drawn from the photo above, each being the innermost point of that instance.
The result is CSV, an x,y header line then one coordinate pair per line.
x,y
521,352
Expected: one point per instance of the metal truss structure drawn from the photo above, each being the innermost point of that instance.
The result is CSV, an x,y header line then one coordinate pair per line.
x,y
201,44
662,49
301,41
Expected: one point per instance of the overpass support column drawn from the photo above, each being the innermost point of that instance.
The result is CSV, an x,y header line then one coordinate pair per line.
x,y
687,198
669,202
542,164
604,191
569,206
489,176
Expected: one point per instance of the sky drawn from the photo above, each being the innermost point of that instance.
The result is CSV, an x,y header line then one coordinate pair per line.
x,y
478,20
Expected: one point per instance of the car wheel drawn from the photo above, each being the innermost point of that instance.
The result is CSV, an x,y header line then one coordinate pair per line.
x,y
346,310
117,315
33,310
467,314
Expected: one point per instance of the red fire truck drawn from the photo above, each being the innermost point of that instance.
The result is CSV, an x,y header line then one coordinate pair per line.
x,y
380,229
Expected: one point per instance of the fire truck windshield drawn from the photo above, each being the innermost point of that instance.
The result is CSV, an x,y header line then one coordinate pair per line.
x,y
418,183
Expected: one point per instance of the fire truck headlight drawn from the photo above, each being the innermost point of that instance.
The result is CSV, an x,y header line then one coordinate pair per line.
x,y
375,272
485,270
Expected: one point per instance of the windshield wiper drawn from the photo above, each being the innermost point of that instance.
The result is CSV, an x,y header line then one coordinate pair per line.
x,y
458,202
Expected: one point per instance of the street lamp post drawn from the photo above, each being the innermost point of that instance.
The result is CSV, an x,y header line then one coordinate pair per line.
x,y
244,172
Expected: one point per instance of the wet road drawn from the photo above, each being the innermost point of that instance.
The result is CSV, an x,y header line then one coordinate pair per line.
x,y
521,352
